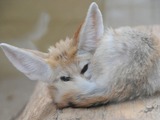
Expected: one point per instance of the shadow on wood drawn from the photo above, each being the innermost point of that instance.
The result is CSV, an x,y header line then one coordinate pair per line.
x,y
41,106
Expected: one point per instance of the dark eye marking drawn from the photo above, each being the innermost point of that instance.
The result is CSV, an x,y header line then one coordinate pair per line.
x,y
84,69
63,78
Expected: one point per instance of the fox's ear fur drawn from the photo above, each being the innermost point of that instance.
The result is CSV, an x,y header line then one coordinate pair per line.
x,y
92,30
31,63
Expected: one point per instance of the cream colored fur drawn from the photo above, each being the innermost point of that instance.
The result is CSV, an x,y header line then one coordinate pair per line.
x,y
123,64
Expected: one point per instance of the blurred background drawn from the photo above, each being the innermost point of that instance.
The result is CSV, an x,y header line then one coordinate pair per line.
x,y
39,24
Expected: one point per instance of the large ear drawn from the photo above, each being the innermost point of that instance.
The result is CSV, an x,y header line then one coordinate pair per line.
x,y
29,62
92,29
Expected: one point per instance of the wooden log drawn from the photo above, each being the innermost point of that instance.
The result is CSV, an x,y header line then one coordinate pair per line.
x,y
41,106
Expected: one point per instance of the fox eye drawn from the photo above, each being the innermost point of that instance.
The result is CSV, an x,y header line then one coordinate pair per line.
x,y
63,78
84,69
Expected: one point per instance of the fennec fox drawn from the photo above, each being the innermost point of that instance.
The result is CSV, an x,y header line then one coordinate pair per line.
x,y
94,67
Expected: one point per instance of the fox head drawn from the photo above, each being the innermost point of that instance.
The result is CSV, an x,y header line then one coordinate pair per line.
x,y
66,66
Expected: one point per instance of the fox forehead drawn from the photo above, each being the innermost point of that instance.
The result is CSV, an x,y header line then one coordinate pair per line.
x,y
63,53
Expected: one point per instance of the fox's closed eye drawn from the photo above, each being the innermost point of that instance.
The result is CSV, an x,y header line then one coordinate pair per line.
x,y
63,78
85,68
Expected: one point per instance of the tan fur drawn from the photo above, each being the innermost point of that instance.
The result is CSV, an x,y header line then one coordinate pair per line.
x,y
76,36
63,53
95,67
